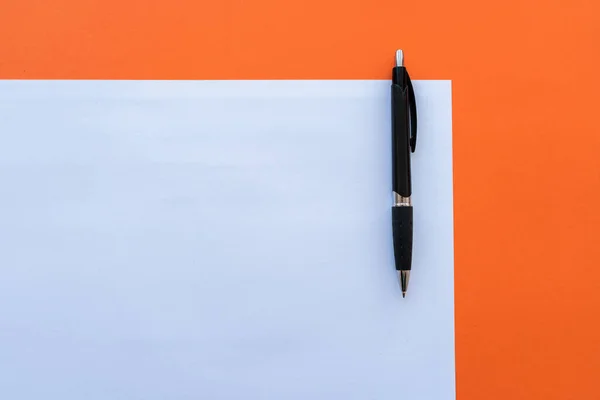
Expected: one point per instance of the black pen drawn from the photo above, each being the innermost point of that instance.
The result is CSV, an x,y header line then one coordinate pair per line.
x,y
404,140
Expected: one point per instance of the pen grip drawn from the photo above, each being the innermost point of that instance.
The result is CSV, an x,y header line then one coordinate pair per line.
x,y
402,226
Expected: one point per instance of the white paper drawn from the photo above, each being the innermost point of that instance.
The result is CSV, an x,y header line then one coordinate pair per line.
x,y
220,240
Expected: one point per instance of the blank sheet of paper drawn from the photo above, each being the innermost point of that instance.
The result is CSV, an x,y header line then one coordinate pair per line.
x,y
220,240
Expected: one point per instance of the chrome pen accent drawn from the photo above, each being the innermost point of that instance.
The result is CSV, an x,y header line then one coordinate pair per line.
x,y
399,58
404,277
401,201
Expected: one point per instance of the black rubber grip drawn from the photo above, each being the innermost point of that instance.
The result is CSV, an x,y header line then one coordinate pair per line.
x,y
402,225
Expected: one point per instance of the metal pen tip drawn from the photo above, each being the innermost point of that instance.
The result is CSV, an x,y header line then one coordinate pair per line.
x,y
399,58
404,276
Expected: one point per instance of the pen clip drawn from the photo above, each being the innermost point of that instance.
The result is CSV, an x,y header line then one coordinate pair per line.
x,y
412,105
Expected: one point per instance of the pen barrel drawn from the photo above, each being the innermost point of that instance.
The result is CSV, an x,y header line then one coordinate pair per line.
x,y
401,181
402,227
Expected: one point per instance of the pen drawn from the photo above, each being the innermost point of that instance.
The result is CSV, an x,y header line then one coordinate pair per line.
x,y
404,140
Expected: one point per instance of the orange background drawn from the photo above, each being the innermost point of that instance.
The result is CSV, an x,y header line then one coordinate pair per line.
x,y
526,139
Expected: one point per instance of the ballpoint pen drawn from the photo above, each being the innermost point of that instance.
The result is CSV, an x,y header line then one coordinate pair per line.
x,y
404,140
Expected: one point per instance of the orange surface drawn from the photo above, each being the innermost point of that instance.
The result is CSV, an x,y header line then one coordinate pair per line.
x,y
526,138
